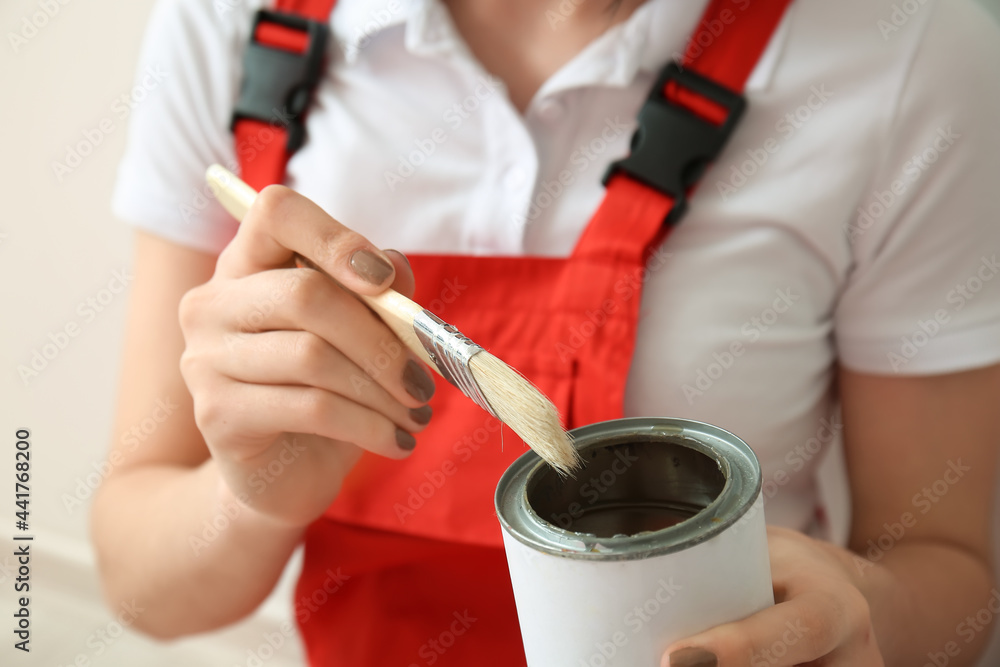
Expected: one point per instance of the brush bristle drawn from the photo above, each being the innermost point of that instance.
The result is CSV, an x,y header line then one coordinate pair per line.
x,y
526,410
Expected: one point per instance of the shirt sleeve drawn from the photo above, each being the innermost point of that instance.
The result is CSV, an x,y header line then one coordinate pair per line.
x,y
189,72
923,296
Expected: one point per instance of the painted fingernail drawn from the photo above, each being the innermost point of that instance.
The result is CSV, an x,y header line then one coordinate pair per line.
x,y
421,415
417,382
693,657
405,440
370,267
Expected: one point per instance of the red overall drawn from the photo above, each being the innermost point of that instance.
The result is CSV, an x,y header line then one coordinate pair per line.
x,y
407,567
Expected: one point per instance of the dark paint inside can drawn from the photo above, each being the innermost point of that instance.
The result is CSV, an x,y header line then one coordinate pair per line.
x,y
627,488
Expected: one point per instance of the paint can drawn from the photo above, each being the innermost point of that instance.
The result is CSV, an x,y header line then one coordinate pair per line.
x,y
660,536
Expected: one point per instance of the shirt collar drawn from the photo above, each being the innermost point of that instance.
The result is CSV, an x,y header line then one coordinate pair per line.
x,y
355,23
429,29
656,33
645,41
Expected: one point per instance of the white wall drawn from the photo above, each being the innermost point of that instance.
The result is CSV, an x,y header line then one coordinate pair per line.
x,y
59,246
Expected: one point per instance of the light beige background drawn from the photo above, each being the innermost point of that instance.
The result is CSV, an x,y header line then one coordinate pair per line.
x,y
59,246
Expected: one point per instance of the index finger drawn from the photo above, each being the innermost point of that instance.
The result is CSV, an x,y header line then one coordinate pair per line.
x,y
282,223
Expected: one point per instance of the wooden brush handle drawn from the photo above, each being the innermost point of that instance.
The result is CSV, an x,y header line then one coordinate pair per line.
x,y
395,309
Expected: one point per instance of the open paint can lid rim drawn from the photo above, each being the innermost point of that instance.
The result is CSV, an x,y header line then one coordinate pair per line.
x,y
736,461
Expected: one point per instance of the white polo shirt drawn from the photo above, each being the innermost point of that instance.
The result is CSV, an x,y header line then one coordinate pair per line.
x,y
852,218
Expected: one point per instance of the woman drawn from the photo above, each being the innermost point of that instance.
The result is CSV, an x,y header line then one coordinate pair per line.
x,y
844,240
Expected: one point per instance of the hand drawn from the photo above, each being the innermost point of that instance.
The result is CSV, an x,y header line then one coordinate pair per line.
x,y
820,617
291,375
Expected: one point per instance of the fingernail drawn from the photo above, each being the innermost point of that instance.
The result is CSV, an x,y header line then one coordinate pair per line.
x,y
693,657
417,382
405,440
370,267
421,415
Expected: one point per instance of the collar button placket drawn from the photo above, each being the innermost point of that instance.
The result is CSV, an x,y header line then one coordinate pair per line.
x,y
516,158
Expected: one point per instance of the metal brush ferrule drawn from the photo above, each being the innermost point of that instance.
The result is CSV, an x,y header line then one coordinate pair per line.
x,y
451,352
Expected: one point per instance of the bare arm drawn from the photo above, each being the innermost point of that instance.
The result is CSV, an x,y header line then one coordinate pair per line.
x,y
922,455
164,489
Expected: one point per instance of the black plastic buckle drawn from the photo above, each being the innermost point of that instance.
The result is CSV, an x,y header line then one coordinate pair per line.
x,y
672,146
278,84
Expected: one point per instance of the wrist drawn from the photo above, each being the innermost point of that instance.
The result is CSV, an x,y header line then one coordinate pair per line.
x,y
236,509
871,577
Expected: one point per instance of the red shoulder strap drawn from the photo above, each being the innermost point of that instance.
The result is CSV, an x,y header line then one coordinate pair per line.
x,y
724,49
317,10
262,146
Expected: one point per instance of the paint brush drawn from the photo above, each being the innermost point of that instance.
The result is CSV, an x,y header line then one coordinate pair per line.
x,y
492,384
